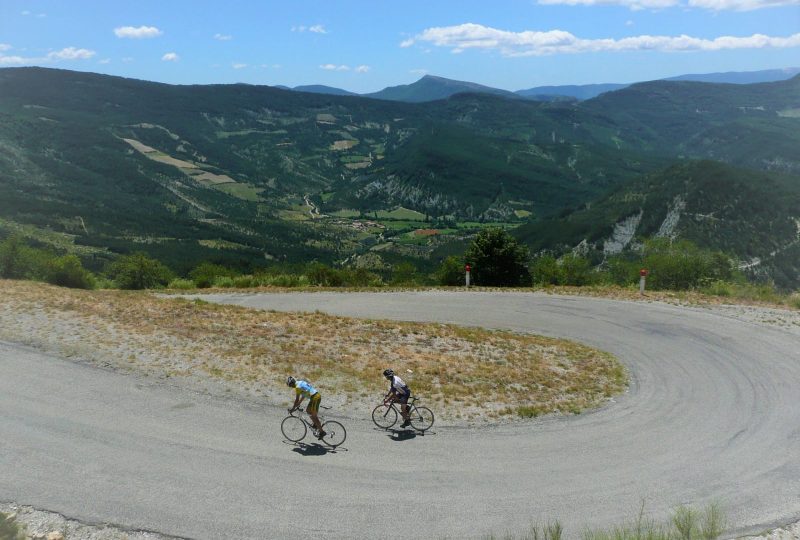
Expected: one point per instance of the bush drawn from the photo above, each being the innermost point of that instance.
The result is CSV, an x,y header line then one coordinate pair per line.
x,y
324,276
244,282
20,261
576,271
404,273
451,272
224,282
182,284
360,277
205,274
682,265
9,528
138,271
546,271
67,271
497,259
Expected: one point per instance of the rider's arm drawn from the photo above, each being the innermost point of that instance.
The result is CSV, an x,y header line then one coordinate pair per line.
x,y
297,399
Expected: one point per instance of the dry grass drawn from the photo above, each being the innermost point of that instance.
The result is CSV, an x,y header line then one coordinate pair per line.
x,y
487,373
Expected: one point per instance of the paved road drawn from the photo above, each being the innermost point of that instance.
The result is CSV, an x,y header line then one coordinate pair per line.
x,y
713,414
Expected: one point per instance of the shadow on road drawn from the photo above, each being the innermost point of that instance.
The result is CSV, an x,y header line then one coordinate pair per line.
x,y
313,449
400,435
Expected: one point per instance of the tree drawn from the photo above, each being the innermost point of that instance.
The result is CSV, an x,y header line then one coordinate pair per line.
x,y
451,272
498,260
67,271
138,271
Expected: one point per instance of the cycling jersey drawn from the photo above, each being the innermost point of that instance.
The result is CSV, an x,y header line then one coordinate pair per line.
x,y
399,386
304,389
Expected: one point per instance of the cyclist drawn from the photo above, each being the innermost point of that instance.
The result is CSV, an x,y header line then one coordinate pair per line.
x,y
399,391
304,390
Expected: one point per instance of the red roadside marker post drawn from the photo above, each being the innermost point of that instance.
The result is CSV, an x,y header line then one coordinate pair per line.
x,y
466,275
642,277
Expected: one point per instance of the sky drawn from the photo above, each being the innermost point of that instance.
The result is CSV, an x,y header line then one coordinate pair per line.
x,y
366,45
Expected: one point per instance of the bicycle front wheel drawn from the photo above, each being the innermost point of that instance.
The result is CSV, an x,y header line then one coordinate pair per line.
x,y
421,418
334,433
293,428
384,416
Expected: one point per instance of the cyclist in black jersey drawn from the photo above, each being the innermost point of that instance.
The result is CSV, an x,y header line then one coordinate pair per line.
x,y
398,391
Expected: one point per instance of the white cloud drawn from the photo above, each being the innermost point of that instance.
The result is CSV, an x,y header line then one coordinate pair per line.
x,y
362,69
740,5
714,5
25,13
13,60
71,53
238,66
104,61
317,29
222,37
127,59
170,57
407,43
629,23
139,32
68,53
334,67
533,43
418,71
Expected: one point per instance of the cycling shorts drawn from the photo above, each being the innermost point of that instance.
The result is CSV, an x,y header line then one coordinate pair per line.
x,y
402,397
313,405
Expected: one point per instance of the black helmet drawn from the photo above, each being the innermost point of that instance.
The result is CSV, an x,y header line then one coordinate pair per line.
x,y
290,381
388,373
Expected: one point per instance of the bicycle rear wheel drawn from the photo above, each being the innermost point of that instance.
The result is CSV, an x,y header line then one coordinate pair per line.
x,y
293,428
335,433
421,418
384,416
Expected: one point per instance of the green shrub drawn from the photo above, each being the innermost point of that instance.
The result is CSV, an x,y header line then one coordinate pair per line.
x,y
67,271
794,300
181,284
244,282
576,271
451,272
10,529
681,265
546,271
404,273
205,274
138,271
20,261
498,260
324,276
285,280
224,282
360,277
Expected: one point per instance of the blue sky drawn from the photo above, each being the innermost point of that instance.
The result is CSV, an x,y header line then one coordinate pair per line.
x,y
364,45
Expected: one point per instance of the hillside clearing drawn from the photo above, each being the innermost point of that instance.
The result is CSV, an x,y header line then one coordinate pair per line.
x,y
250,352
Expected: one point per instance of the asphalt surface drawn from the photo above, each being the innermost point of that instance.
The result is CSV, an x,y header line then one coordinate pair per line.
x,y
712,415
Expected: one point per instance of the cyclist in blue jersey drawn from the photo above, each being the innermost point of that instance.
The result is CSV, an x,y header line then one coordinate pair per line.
x,y
304,390
398,391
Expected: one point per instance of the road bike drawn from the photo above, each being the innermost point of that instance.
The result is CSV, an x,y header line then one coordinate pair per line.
x,y
385,415
295,427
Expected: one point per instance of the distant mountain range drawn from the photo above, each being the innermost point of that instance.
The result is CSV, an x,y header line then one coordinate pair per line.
x,y
431,88
245,174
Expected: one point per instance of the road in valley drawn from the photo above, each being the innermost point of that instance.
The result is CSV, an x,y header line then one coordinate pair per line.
x,y
713,414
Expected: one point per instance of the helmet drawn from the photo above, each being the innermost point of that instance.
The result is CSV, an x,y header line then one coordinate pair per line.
x,y
388,373
290,381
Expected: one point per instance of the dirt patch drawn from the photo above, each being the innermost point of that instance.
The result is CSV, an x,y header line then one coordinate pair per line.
x,y
250,352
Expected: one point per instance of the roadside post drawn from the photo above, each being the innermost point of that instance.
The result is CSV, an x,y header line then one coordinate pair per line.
x,y
466,275
642,278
